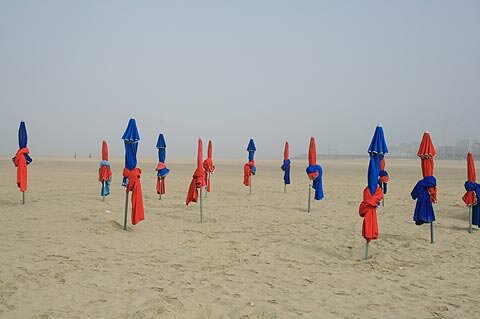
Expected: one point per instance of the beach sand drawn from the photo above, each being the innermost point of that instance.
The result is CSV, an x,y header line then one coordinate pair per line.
x,y
65,255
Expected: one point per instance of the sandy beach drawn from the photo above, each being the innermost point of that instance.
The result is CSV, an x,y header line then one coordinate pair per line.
x,y
65,255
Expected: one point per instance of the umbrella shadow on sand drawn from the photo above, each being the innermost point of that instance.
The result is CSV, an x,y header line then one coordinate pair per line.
x,y
117,225
10,202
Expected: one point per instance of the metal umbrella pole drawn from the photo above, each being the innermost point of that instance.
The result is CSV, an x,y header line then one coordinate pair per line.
x,y
23,198
103,191
201,206
432,237
160,194
309,196
126,207
470,212
366,250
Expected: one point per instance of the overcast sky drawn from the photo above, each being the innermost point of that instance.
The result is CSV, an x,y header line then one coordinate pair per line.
x,y
76,71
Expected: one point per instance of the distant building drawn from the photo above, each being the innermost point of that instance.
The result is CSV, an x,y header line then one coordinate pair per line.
x,y
449,152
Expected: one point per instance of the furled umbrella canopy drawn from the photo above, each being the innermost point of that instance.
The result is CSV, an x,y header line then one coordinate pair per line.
x,y
425,191
249,168
162,170
131,173
314,171
377,150
22,158
208,165
372,194
104,172
473,191
198,178
384,178
286,164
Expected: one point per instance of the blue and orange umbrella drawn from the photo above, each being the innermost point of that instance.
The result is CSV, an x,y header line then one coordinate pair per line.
x,y
104,172
162,170
286,166
198,181
22,159
314,173
372,194
473,192
425,191
209,167
249,168
131,174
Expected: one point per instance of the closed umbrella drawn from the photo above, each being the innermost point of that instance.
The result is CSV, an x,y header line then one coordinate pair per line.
x,y
209,167
104,172
22,159
471,196
383,179
131,174
249,168
425,191
372,194
286,167
314,173
162,170
198,181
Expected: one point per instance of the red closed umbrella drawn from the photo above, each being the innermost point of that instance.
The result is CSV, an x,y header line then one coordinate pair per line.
x,y
198,181
470,198
427,152
208,166
425,192
314,173
104,172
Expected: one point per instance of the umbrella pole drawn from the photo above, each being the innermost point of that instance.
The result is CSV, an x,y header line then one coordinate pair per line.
x,y
160,195
126,207
23,198
470,208
201,206
383,202
432,238
250,189
309,195
103,191
366,250
206,186
284,188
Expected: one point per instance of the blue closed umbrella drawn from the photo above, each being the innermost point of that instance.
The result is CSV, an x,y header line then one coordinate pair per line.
x,y
249,168
22,159
162,170
251,150
378,148
130,139
162,148
23,140
286,166
368,208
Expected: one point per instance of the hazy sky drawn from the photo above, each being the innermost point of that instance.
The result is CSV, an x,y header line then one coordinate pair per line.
x,y
76,71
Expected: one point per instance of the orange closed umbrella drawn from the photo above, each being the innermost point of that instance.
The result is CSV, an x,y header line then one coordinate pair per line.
x,y
314,173
286,166
22,159
471,196
198,181
425,191
104,172
209,167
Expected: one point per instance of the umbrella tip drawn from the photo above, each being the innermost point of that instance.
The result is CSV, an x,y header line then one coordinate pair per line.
x,y
426,132
379,125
